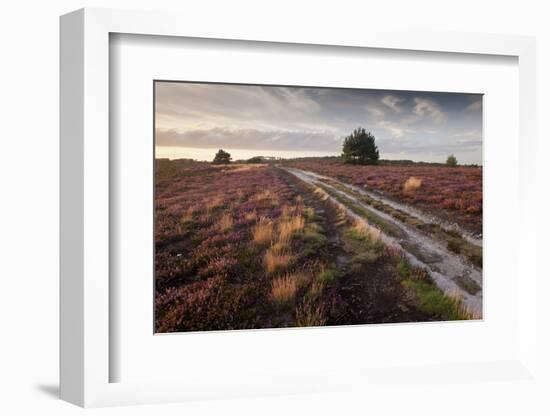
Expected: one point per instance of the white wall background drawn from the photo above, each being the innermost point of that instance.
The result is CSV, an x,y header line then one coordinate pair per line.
x,y
29,205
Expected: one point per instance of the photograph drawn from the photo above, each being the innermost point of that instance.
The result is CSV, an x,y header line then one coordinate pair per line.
x,y
281,206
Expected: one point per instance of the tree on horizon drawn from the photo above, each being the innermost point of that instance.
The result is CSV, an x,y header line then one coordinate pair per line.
x,y
360,148
451,161
222,157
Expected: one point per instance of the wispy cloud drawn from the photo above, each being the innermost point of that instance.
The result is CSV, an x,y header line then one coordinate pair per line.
x,y
427,108
475,106
392,102
396,130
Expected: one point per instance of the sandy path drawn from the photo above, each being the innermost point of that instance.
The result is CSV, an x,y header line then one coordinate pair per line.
x,y
413,212
446,268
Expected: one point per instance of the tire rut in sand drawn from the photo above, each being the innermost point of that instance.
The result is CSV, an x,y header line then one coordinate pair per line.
x,y
448,270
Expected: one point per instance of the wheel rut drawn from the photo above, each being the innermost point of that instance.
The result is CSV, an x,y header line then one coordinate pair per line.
x,y
450,271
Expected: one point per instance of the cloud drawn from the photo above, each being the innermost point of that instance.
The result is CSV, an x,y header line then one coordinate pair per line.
x,y
219,137
392,102
468,137
375,113
424,107
207,116
394,129
475,106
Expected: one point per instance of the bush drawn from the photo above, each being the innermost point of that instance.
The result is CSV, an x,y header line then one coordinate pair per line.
x,y
255,159
451,161
222,157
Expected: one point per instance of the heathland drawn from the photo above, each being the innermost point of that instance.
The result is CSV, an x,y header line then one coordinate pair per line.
x,y
315,242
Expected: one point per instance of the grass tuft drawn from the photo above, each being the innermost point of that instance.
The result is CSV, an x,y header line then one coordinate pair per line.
x,y
412,184
275,262
283,290
365,232
225,223
288,228
251,216
310,314
262,232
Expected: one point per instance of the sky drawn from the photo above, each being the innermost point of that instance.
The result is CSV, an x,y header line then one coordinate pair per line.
x,y
193,120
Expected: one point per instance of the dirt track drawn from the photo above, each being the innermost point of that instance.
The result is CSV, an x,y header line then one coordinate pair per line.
x,y
450,271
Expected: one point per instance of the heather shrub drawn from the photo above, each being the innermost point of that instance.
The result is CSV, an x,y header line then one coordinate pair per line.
x,y
210,305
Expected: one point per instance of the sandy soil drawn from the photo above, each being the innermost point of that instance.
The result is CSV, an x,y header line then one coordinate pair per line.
x,y
450,272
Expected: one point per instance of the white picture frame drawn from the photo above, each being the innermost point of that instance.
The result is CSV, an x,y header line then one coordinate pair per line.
x,y
85,220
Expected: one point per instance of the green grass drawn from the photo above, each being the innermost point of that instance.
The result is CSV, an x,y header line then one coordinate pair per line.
x,y
314,227
316,240
403,269
366,257
328,275
429,298
309,214
460,246
360,242
432,301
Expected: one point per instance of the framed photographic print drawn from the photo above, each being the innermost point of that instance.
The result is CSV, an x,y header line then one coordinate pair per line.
x,y
275,212
302,219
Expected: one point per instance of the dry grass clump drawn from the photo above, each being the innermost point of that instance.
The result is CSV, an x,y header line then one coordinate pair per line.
x,y
283,290
262,232
412,184
187,217
462,310
341,214
366,231
251,216
276,261
315,290
289,227
310,314
279,248
225,223
321,193
213,203
288,210
266,195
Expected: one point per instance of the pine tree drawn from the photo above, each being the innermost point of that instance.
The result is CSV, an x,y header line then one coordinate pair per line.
x,y
451,161
222,157
360,148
